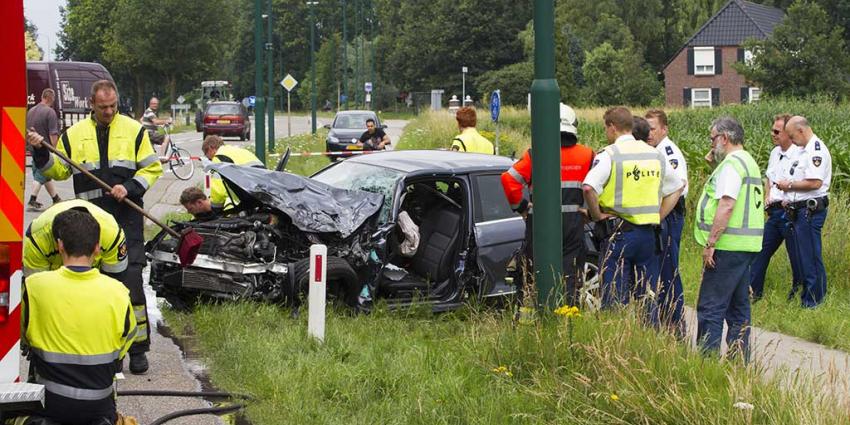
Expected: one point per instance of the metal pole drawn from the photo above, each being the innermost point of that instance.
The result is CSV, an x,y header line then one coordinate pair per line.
x,y
545,96
270,61
463,92
345,53
260,104
311,5
372,38
288,115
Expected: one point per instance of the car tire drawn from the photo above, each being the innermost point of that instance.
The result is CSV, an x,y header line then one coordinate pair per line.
x,y
242,137
248,136
343,283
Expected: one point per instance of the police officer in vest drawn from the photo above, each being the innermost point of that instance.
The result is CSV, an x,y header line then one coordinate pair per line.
x,y
808,194
729,225
74,351
40,253
671,293
575,163
784,158
216,151
115,148
630,188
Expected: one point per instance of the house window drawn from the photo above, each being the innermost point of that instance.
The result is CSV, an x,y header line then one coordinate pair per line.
x,y
755,93
748,57
701,98
703,60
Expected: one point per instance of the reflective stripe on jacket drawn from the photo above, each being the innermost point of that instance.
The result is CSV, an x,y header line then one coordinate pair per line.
x,y
633,190
576,161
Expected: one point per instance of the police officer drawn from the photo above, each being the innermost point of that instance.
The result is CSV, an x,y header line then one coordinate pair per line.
x,y
808,195
115,148
575,163
469,140
778,227
40,252
630,188
671,293
216,151
74,351
729,225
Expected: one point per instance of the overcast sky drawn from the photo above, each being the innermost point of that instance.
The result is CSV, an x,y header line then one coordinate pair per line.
x,y
45,15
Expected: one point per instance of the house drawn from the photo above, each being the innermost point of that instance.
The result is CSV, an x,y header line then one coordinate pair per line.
x,y
701,73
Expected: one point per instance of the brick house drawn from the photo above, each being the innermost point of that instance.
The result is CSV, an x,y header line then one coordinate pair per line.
x,y
701,73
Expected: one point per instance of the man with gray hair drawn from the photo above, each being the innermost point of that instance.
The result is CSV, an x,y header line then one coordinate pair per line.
x,y
807,193
729,225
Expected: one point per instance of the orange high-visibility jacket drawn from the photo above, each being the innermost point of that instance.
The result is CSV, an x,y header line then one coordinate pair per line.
x,y
576,161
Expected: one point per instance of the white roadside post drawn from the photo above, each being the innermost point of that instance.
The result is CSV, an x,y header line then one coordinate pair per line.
x,y
317,288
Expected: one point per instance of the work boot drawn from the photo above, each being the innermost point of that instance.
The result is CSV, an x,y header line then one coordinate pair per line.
x,y
138,364
34,205
56,199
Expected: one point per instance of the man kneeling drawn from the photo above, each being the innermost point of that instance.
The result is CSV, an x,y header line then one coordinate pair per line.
x,y
78,325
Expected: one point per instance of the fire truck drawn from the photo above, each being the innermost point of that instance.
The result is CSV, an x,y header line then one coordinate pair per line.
x,y
13,107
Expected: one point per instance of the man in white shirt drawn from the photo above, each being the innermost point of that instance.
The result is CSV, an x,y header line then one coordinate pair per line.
x,y
778,227
807,192
671,293
629,190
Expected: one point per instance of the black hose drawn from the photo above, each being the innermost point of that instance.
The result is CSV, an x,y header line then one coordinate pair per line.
x,y
203,411
169,393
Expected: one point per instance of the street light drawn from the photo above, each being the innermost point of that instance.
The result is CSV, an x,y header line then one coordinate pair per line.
x,y
312,65
260,103
270,75
463,71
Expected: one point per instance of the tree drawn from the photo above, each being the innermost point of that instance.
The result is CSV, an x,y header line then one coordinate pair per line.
x,y
34,52
803,57
615,77
514,81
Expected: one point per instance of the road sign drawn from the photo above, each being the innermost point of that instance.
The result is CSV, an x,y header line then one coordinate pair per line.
x,y
252,100
464,69
368,87
495,105
181,99
289,82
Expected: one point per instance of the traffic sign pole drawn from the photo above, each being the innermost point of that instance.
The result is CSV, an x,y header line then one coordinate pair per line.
x,y
495,109
288,84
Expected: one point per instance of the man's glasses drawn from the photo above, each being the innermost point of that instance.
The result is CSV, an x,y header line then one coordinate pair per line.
x,y
714,137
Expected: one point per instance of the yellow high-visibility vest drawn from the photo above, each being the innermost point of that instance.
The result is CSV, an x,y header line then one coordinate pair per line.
x,y
633,190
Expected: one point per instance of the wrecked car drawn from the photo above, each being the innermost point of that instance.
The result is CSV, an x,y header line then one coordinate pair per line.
x,y
402,226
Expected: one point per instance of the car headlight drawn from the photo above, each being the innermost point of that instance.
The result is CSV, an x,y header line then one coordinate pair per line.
x,y
333,139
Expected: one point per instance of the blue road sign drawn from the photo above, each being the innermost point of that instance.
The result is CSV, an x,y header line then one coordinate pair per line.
x,y
495,105
252,100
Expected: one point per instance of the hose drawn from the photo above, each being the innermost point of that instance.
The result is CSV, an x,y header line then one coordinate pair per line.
x,y
169,393
203,411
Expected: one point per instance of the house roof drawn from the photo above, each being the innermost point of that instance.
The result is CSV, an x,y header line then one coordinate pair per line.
x,y
735,22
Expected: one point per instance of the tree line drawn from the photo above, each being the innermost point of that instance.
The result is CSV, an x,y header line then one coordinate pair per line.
x,y
607,51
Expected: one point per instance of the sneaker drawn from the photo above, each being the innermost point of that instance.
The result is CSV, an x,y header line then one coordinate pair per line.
x,y
34,205
138,364
56,199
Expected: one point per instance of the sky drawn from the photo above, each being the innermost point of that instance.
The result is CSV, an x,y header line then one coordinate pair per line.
x,y
45,15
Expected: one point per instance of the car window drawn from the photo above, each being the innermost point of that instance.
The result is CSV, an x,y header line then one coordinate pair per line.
x,y
224,110
490,202
352,121
369,178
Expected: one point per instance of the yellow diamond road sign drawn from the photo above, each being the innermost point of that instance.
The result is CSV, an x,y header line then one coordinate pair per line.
x,y
288,82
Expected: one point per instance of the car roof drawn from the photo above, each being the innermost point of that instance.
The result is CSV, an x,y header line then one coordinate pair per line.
x,y
439,161
355,111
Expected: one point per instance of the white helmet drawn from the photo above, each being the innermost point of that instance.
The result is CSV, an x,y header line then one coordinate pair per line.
x,y
569,122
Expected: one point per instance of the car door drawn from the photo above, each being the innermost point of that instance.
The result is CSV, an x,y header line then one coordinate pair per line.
x,y
499,232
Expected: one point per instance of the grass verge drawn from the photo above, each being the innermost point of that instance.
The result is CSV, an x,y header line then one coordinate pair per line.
x,y
477,367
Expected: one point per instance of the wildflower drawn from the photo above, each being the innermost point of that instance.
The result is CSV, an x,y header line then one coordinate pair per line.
x,y
743,406
615,397
502,370
568,311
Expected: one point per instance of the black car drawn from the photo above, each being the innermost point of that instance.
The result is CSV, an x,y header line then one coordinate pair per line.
x,y
347,128
467,233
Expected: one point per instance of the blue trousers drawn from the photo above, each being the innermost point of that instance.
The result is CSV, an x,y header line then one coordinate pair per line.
x,y
807,227
777,228
724,296
671,296
630,269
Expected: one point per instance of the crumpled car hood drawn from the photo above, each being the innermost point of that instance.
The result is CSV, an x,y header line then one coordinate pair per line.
x,y
313,206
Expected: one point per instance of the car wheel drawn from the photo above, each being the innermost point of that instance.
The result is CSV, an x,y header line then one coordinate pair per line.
x,y
343,283
242,137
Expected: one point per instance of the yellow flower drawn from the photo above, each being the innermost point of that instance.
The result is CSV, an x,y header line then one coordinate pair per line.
x,y
502,370
614,397
568,311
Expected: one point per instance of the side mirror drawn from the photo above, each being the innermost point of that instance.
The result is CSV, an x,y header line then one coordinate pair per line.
x,y
281,164
328,126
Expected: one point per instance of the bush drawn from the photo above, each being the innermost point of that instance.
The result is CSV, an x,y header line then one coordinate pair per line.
x,y
514,81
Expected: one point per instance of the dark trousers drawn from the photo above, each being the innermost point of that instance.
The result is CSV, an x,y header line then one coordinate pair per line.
x,y
724,296
574,256
133,225
671,295
630,270
807,229
777,228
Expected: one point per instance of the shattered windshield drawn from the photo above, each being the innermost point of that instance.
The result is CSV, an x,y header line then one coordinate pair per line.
x,y
369,178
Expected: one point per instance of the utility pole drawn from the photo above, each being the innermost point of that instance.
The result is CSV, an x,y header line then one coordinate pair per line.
x,y
270,61
345,53
545,96
312,6
260,103
372,37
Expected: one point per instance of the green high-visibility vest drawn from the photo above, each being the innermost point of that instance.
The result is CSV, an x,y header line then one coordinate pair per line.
x,y
746,226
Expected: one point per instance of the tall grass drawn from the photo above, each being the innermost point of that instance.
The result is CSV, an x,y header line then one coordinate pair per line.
x,y
478,367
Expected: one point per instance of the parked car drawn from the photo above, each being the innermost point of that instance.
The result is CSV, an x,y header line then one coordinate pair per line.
x,y
72,83
346,129
227,118
468,235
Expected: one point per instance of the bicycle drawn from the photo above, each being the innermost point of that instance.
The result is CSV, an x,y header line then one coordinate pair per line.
x,y
179,160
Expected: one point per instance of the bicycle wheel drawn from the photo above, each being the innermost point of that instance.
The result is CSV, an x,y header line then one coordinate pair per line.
x,y
181,164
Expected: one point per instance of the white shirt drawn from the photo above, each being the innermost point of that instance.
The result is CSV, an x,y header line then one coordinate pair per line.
x,y
676,159
727,183
779,168
815,163
601,172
